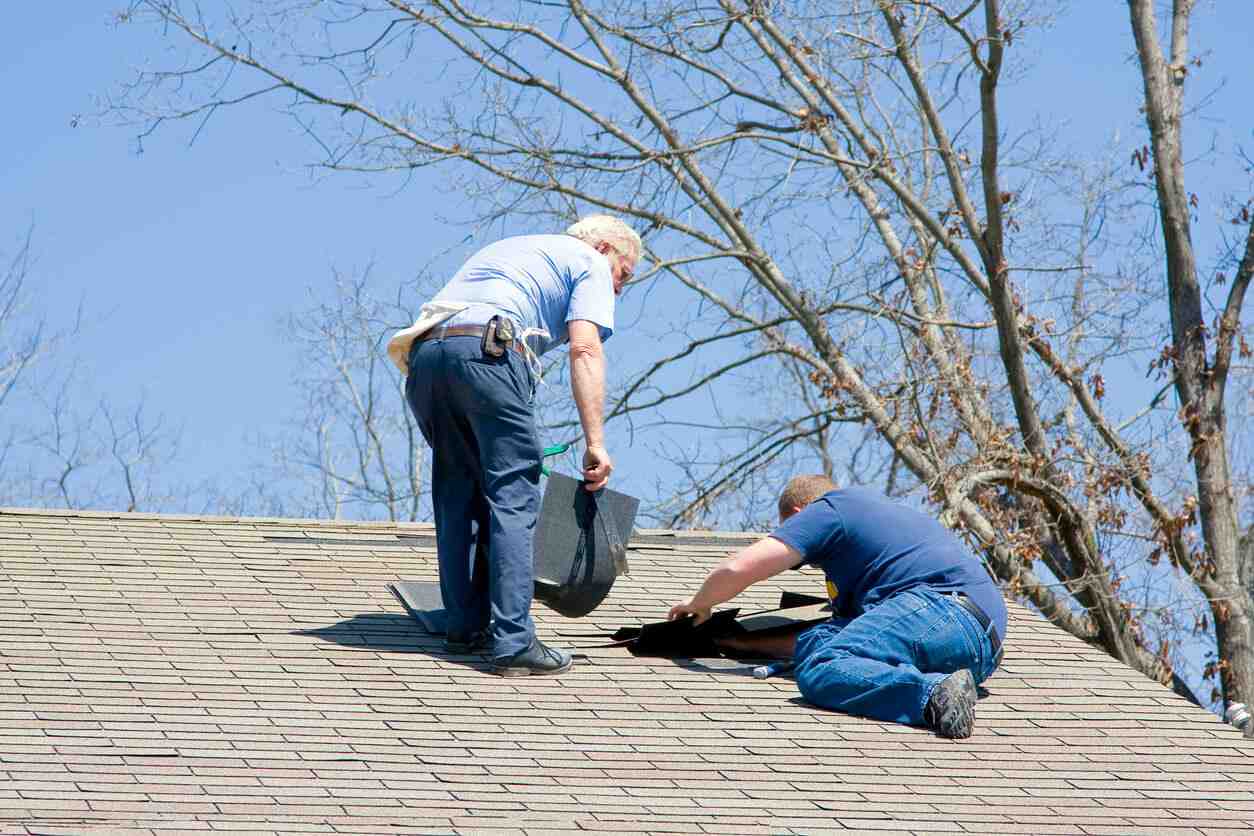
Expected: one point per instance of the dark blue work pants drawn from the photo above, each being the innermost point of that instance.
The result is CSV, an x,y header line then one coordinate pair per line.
x,y
476,413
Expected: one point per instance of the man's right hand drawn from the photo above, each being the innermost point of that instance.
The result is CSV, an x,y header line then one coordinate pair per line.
x,y
687,608
597,466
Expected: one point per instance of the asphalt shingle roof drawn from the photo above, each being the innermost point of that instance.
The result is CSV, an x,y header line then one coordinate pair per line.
x,y
160,674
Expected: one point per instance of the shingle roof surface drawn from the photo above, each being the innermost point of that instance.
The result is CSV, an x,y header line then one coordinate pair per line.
x,y
161,674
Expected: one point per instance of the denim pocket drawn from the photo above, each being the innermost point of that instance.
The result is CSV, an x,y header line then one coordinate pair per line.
x,y
521,375
508,370
949,642
487,384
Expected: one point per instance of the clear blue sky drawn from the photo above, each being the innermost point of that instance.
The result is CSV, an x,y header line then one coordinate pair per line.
x,y
187,257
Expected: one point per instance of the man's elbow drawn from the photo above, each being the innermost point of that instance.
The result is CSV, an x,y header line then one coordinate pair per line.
x,y
586,349
585,340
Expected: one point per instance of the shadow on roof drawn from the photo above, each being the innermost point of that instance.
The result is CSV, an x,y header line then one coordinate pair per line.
x,y
384,632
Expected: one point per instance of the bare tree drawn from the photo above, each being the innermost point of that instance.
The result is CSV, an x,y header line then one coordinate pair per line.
x,y
863,244
25,339
353,449
22,339
54,451
98,458
1200,353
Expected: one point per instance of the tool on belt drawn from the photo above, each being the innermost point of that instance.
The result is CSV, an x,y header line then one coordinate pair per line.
x,y
498,336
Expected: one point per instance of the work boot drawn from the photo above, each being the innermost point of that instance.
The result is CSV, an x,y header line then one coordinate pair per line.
x,y
537,660
477,642
950,711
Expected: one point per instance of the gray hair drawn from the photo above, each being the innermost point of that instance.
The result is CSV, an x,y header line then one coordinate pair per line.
x,y
594,229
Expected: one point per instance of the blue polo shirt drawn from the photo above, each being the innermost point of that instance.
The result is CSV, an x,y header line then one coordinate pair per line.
x,y
539,281
871,548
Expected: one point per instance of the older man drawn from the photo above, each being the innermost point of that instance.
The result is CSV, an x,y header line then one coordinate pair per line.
x,y
471,384
917,621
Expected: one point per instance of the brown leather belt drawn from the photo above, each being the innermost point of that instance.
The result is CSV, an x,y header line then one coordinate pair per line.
x,y
465,331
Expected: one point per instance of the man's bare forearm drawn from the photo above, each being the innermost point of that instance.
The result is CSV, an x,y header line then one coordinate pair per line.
x,y
737,573
720,586
587,383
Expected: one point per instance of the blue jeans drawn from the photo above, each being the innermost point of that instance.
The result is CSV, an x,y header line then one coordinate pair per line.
x,y
476,413
885,663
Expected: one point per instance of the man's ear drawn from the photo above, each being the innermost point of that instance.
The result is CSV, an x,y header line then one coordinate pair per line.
x,y
792,509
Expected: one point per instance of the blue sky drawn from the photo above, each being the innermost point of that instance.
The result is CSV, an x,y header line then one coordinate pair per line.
x,y
187,257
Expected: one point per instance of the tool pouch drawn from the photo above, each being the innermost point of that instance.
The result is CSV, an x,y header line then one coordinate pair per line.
x,y
498,336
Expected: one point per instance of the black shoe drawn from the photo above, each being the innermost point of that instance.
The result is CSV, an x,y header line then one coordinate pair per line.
x,y
477,642
537,660
950,711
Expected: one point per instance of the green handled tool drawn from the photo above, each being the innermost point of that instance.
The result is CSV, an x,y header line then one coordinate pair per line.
x,y
555,450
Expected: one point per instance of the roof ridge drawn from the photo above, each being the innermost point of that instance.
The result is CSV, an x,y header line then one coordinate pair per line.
x,y
210,518
678,534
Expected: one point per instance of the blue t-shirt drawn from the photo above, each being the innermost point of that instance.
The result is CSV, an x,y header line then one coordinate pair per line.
x,y
871,548
539,281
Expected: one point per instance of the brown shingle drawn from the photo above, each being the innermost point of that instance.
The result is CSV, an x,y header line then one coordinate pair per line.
x,y
160,674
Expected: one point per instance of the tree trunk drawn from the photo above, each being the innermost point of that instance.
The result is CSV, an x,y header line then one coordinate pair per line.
x,y
1199,388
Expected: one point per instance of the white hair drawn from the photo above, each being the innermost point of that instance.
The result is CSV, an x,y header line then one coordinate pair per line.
x,y
594,229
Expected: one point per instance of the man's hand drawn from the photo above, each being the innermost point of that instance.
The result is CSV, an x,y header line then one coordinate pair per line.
x,y
686,608
597,466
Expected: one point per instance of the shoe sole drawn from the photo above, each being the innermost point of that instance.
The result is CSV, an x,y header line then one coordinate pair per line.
x,y
525,671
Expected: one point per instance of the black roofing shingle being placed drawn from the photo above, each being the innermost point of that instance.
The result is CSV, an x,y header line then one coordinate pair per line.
x,y
163,674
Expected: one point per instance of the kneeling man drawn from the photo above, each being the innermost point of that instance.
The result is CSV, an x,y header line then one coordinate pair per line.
x,y
917,621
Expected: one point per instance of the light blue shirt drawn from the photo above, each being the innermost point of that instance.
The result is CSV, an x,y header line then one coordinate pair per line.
x,y
539,281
